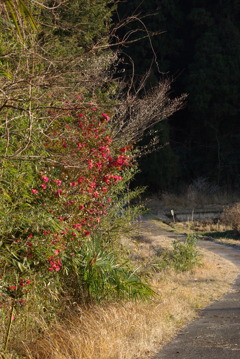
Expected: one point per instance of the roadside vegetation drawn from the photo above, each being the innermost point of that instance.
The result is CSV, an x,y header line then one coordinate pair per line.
x,y
130,329
68,131
200,196
222,231
67,149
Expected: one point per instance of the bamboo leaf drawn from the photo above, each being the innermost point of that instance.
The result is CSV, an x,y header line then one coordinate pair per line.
x,y
19,13
11,13
28,16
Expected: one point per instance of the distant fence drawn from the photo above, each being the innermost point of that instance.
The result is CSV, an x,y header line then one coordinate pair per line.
x,y
194,215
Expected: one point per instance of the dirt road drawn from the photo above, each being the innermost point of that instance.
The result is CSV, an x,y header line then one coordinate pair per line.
x,y
216,333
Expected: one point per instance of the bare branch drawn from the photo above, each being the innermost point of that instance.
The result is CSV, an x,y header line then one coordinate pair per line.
x,y
135,114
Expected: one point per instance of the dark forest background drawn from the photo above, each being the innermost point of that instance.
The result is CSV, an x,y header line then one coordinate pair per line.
x,y
199,49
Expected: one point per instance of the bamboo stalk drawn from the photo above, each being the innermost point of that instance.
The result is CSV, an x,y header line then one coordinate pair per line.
x,y
9,327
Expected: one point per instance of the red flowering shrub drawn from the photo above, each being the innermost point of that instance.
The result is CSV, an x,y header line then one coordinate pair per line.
x,y
71,195
76,190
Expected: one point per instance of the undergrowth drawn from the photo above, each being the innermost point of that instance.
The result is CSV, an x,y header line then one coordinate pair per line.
x,y
182,257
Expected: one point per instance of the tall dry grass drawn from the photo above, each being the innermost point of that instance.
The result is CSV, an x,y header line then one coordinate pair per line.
x,y
199,194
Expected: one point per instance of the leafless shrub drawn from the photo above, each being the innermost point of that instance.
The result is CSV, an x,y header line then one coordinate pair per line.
x,y
231,216
200,193
202,185
137,113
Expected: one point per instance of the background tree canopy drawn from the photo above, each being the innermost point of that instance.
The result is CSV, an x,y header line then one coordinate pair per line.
x,y
199,48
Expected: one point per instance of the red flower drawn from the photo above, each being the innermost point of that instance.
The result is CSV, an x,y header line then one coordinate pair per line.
x,y
117,178
56,264
106,179
24,282
12,287
58,182
96,194
98,164
58,193
108,140
80,179
90,163
92,185
73,184
105,117
45,179
33,190
76,226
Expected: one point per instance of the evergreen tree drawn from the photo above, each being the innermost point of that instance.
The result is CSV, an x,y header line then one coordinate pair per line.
x,y
199,48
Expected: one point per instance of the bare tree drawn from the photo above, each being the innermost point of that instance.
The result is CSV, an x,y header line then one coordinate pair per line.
x,y
139,110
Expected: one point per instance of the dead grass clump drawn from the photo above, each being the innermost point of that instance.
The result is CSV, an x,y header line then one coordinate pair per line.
x,y
231,216
205,225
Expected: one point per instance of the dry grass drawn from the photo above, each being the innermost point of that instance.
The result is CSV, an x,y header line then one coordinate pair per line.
x,y
195,196
134,330
230,242
217,232
231,216
224,231
192,198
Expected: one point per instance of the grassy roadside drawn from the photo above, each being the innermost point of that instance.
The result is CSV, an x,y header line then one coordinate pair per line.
x,y
133,330
216,232
222,231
